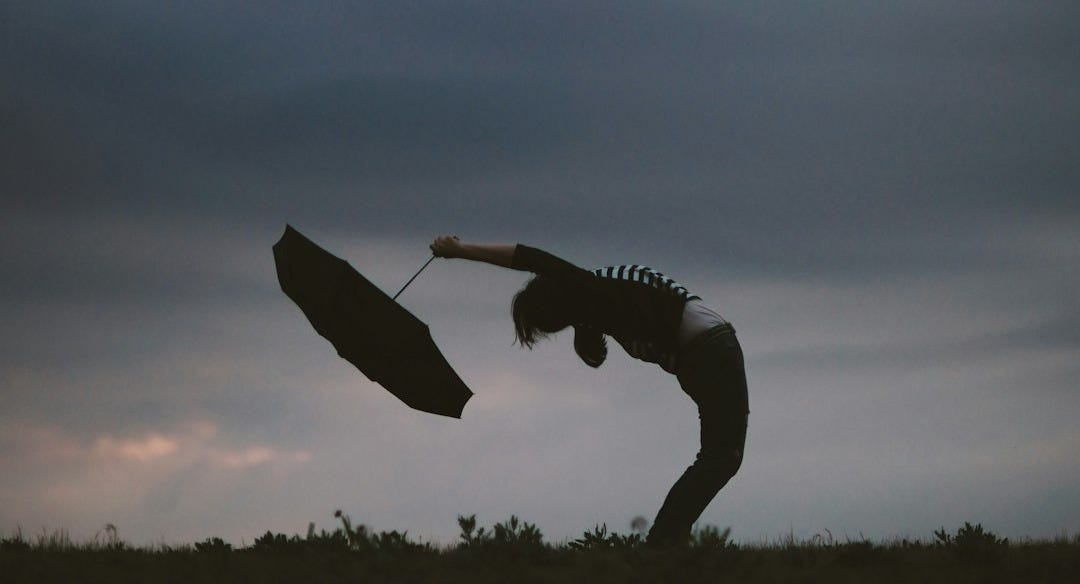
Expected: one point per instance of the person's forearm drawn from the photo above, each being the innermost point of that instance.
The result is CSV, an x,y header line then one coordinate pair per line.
x,y
499,254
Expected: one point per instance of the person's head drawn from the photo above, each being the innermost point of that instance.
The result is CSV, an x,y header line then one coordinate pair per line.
x,y
540,308
544,307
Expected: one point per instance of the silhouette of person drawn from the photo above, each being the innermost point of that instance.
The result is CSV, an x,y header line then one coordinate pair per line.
x,y
654,319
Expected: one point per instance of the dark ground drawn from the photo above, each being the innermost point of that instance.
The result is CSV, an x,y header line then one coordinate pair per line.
x,y
514,551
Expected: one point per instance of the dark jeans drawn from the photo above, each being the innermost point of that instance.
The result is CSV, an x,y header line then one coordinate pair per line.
x,y
712,373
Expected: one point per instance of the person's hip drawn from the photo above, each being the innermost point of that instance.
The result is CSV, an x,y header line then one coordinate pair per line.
x,y
711,370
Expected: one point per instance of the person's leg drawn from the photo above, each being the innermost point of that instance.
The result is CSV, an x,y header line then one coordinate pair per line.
x,y
712,373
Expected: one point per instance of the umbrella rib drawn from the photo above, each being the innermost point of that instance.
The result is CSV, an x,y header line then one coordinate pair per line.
x,y
414,277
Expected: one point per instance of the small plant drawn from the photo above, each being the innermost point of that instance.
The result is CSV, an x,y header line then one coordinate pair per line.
x,y
326,541
213,545
357,538
512,534
709,537
599,538
15,544
56,541
826,540
973,542
274,542
470,536
346,538
394,542
108,537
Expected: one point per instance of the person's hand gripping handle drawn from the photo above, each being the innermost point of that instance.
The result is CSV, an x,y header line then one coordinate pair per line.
x,y
447,246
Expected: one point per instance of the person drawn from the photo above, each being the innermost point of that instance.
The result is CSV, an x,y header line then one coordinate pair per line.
x,y
654,319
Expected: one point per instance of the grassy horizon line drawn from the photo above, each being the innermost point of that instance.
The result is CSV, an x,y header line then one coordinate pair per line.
x,y
515,532
515,551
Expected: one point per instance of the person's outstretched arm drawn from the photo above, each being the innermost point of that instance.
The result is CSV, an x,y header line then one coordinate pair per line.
x,y
499,254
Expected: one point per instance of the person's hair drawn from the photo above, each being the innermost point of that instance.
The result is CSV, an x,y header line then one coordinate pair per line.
x,y
544,307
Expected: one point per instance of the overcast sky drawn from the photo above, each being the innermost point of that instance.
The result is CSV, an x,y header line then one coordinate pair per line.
x,y
884,200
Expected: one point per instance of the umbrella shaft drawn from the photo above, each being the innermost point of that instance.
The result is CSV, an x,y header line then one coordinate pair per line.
x,y
414,277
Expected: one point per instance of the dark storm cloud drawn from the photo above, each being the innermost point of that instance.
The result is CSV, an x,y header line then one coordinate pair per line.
x,y
383,128
805,115
128,105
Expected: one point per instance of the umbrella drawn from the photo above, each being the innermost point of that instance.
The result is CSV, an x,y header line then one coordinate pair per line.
x,y
368,328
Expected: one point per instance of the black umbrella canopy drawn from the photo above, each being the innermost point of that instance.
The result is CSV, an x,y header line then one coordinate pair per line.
x,y
386,342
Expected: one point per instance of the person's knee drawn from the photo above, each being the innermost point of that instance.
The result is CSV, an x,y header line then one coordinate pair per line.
x,y
719,467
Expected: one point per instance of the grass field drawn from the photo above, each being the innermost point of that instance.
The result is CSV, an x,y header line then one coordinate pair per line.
x,y
514,551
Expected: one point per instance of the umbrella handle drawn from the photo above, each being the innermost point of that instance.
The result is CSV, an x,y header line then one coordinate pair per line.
x,y
414,277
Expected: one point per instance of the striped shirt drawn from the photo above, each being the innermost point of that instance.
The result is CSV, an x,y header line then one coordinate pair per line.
x,y
648,350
